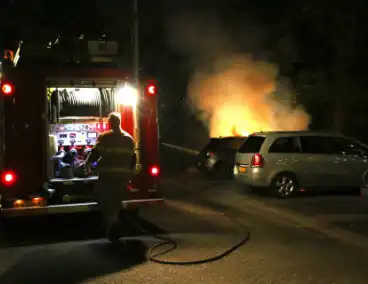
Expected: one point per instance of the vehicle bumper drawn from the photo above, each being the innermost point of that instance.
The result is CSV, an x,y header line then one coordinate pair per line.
x,y
364,193
72,208
205,165
252,177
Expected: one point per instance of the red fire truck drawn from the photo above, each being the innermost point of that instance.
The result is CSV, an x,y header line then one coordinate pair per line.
x,y
50,119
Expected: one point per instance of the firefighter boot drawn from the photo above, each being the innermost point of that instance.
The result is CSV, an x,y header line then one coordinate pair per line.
x,y
114,233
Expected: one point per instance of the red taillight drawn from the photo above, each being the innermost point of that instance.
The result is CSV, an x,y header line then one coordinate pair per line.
x,y
257,161
7,89
104,126
151,89
154,171
8,178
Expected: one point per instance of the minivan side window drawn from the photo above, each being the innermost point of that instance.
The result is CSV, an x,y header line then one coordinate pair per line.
x,y
252,144
285,145
318,145
346,146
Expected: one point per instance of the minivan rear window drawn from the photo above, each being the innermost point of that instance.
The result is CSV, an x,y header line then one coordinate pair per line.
x,y
225,143
252,145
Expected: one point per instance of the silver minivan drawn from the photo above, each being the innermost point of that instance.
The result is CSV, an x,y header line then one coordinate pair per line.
x,y
285,162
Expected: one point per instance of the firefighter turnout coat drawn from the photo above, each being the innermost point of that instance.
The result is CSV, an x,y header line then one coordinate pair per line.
x,y
114,150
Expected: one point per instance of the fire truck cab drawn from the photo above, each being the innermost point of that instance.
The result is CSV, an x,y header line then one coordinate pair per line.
x,y
51,118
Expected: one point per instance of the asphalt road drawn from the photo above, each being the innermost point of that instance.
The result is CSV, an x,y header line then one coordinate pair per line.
x,y
174,161
300,240
340,210
72,249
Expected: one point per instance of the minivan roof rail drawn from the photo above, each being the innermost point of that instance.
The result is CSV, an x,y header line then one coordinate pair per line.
x,y
295,131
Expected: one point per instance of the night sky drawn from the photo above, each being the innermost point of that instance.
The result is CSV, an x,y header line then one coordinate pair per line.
x,y
320,46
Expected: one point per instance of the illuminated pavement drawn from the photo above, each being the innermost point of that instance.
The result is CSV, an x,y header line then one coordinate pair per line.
x,y
280,250
342,215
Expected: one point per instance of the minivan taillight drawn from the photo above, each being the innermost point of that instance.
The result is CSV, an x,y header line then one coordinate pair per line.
x,y
257,161
8,178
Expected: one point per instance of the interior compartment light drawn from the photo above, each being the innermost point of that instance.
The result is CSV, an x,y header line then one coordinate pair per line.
x,y
127,96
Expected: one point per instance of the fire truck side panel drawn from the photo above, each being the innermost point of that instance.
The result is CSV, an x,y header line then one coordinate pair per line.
x,y
152,132
149,145
146,184
127,119
25,117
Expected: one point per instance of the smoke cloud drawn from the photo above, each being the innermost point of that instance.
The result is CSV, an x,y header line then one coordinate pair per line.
x,y
234,94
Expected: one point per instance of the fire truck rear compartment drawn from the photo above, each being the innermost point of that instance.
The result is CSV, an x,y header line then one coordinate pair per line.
x,y
43,111
77,116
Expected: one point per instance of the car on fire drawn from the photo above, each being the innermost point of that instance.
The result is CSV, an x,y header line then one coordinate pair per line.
x,y
217,158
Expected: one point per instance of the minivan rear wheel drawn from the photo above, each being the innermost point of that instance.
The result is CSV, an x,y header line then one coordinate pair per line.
x,y
283,185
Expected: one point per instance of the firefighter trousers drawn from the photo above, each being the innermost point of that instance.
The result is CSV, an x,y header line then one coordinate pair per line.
x,y
110,194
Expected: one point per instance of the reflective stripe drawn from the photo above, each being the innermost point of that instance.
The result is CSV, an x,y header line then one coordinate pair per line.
x,y
119,150
99,147
116,170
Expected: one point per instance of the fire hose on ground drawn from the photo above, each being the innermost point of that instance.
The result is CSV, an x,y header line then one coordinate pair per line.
x,y
166,241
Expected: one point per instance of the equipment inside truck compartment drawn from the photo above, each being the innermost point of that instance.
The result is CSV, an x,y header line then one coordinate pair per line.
x,y
77,116
60,112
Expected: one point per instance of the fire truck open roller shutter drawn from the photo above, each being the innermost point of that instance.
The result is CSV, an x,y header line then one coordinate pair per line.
x,y
83,83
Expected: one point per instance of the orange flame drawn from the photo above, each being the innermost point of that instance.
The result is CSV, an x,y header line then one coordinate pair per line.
x,y
235,132
238,98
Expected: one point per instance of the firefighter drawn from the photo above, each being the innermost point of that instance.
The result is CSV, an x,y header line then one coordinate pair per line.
x,y
114,151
